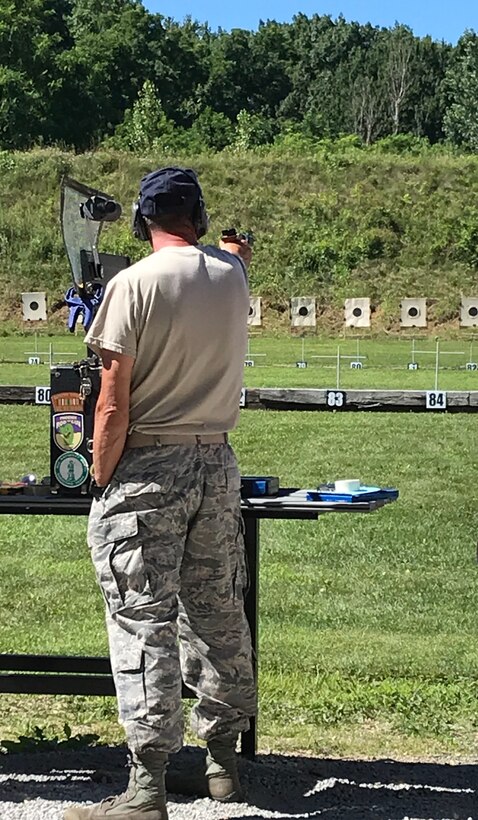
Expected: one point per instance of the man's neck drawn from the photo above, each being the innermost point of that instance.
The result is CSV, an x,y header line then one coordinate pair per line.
x,y
182,238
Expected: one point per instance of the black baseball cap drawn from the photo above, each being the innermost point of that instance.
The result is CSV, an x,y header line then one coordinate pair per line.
x,y
169,189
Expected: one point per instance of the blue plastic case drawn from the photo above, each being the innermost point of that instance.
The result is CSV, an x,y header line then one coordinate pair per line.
x,y
363,494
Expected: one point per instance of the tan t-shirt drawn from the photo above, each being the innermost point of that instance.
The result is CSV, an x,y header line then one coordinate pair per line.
x,y
182,313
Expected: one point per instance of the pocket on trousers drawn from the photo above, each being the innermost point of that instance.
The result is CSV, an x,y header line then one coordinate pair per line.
x,y
241,576
118,560
128,659
147,495
107,529
233,479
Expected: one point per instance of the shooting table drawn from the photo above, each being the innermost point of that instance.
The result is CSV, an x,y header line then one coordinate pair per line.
x,y
76,675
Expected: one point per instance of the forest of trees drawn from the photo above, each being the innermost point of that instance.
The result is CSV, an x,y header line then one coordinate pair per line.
x,y
77,73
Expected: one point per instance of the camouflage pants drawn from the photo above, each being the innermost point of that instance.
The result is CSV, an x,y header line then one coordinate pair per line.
x,y
167,545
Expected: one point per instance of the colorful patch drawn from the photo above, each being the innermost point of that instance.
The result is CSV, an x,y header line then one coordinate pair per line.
x,y
68,430
12,487
67,402
71,470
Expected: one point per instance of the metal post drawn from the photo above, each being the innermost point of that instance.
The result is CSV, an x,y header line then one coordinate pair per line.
x,y
413,351
303,349
338,367
437,360
251,540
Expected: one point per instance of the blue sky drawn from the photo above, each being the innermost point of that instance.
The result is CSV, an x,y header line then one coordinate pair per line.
x,y
442,19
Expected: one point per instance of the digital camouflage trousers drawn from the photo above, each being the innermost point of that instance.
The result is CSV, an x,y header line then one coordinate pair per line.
x,y
167,544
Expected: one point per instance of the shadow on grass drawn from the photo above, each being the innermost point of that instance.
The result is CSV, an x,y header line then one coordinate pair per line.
x,y
288,785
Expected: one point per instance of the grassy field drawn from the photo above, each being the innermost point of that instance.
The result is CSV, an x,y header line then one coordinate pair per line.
x,y
384,361
368,640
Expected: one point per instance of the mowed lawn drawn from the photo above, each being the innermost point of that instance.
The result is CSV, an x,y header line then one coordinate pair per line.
x,y
275,360
368,623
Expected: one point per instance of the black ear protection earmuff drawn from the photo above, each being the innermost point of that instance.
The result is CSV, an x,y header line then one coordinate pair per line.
x,y
199,216
138,223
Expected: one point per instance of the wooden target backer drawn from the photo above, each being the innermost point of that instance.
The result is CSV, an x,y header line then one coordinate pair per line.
x,y
34,306
357,312
469,312
413,313
303,311
255,311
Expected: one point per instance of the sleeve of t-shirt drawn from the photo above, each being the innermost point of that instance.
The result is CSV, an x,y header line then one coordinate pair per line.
x,y
244,269
232,258
114,326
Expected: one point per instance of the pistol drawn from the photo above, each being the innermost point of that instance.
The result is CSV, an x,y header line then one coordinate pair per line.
x,y
233,235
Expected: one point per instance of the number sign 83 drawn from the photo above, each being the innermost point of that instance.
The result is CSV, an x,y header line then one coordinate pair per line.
x,y
335,399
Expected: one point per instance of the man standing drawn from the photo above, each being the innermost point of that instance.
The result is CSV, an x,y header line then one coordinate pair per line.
x,y
166,534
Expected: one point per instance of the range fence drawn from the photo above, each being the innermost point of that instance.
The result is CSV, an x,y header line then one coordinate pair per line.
x,y
267,398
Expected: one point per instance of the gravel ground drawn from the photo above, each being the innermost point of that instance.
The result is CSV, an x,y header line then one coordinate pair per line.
x,y
39,786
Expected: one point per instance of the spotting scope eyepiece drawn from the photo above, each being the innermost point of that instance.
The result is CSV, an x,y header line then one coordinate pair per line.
x,y
100,209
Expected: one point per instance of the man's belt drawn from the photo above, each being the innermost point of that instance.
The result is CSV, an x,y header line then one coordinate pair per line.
x,y
144,440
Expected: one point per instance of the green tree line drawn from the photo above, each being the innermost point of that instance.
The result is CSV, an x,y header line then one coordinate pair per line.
x,y
78,72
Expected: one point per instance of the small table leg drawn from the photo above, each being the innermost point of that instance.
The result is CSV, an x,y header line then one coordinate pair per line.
x,y
251,538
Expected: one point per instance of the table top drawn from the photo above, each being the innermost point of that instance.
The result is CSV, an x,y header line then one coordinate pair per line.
x,y
290,504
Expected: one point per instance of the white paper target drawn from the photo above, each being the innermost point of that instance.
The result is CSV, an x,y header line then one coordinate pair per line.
x,y
255,311
302,311
469,312
34,306
357,312
413,313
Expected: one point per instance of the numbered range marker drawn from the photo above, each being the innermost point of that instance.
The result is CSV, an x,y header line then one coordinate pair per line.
x,y
33,360
435,400
42,395
471,366
301,365
242,400
249,363
356,365
335,399
412,366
